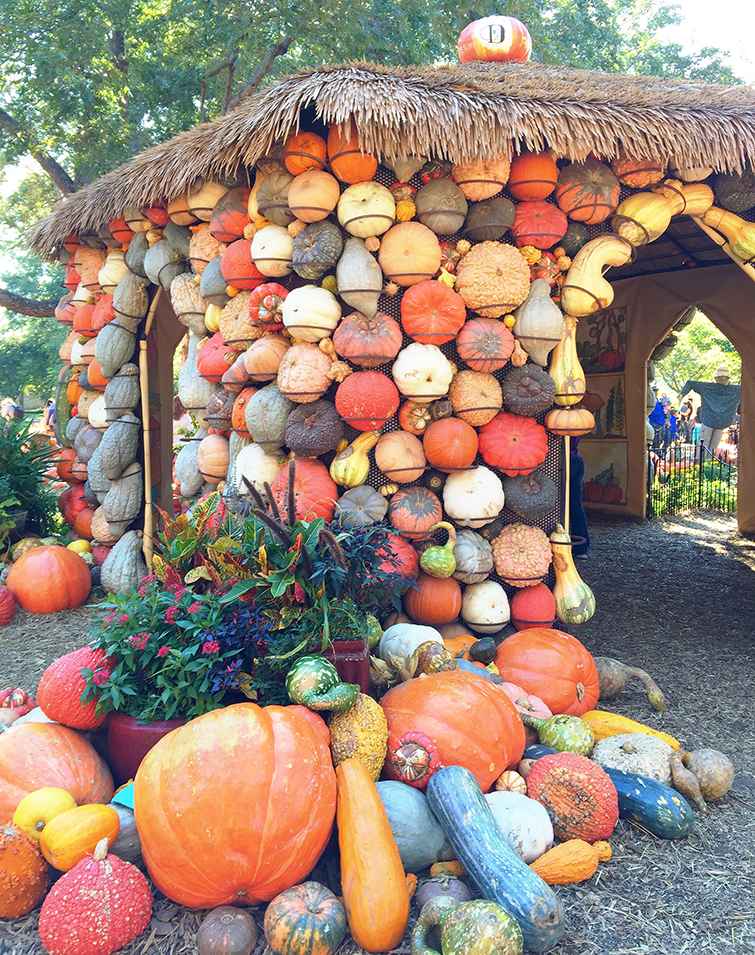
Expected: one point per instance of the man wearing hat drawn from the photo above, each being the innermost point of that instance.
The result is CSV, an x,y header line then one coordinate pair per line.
x,y
656,419
719,400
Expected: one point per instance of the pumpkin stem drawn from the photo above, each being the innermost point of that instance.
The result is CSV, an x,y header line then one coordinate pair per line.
x,y
580,691
100,850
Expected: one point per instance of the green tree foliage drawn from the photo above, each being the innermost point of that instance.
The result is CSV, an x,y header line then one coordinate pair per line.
x,y
700,349
87,84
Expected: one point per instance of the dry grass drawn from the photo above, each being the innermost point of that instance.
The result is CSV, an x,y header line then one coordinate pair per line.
x,y
675,597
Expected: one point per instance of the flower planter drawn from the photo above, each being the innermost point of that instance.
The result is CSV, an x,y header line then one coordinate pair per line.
x,y
352,660
129,742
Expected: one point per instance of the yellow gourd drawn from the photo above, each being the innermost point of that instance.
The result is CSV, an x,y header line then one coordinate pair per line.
x,y
212,318
642,218
351,466
566,369
361,732
691,199
740,234
575,602
604,724
585,290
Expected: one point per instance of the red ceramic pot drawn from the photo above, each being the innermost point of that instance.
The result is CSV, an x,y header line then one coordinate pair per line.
x,y
129,742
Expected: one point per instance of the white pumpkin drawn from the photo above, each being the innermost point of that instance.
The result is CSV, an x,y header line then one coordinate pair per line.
x,y
112,271
273,250
77,358
311,313
474,497
98,414
366,209
255,464
203,197
137,221
402,639
474,557
523,822
422,372
82,296
485,607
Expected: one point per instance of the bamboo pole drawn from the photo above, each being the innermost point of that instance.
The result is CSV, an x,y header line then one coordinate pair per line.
x,y
148,539
567,495
723,244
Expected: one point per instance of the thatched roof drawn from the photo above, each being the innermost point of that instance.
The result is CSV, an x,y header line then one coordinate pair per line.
x,y
456,112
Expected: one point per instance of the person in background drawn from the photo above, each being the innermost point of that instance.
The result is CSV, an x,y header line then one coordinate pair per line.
x,y
670,430
577,516
49,417
686,414
656,418
10,410
719,400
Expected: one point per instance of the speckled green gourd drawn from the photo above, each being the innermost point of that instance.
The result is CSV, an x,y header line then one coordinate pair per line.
x,y
479,927
564,733
439,561
314,682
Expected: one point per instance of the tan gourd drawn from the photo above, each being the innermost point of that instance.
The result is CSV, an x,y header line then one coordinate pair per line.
x,y
642,217
691,199
571,420
586,291
575,602
565,368
539,322
740,234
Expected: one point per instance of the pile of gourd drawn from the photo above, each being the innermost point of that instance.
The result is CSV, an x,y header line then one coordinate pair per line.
x,y
411,783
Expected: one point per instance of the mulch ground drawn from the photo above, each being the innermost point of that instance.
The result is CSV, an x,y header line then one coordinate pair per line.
x,y
675,597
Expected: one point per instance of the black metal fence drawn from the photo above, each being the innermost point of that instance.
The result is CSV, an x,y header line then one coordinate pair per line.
x,y
690,477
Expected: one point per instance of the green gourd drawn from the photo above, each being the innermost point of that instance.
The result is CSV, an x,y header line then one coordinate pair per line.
x,y
479,927
564,733
575,601
314,682
439,561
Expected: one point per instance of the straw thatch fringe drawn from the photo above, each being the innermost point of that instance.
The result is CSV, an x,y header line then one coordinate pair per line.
x,y
455,112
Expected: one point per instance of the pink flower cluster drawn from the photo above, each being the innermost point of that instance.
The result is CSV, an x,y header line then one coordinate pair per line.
x,y
139,640
195,607
100,677
211,646
170,614
163,651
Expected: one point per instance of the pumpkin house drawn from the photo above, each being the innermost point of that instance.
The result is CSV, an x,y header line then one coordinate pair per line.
x,y
409,278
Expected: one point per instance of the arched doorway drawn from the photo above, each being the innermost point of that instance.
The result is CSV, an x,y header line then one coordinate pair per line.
x,y
653,305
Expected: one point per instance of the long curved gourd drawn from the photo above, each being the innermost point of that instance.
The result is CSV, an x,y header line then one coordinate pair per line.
x,y
456,799
565,367
372,877
586,291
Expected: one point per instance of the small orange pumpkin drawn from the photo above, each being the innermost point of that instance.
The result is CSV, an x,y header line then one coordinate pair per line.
x,y
511,782
347,160
304,151
24,876
71,836
413,511
409,253
306,919
450,444
238,414
435,600
533,176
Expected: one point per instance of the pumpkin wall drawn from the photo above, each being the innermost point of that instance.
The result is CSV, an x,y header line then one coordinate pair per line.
x,y
362,318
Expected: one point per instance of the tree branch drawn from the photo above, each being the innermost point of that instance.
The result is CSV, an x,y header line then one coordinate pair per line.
x,y
27,306
54,170
266,64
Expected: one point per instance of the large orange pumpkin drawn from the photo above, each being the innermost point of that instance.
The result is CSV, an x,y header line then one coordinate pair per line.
x,y
432,313
450,444
304,151
36,755
433,600
552,665
532,176
205,841
47,579
469,719
315,491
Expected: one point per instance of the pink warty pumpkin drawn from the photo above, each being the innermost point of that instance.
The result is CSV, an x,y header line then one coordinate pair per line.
x,y
62,684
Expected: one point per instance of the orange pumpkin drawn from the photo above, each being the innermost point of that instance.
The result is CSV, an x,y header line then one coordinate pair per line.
x,y
434,600
238,414
514,444
214,457
64,463
315,491
24,876
413,511
372,877
74,391
36,755
212,358
47,579
533,176
83,523
207,844
450,708
237,268
347,161
587,192
96,379
432,313
83,321
450,444
459,644
485,344
304,151
476,397
553,666
482,178
72,835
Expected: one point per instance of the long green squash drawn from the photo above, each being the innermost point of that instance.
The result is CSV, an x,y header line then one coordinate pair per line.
x,y
456,799
63,405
